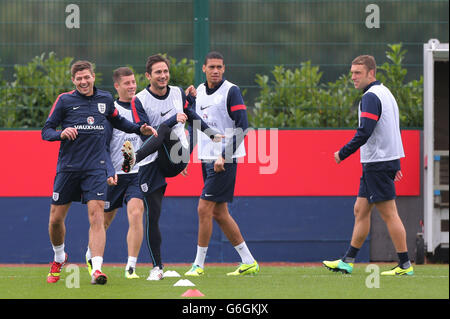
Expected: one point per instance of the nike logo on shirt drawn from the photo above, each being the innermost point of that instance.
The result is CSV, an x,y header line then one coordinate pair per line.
x,y
204,107
165,113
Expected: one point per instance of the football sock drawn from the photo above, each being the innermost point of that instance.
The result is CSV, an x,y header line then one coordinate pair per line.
x,y
350,255
60,254
404,260
131,262
200,257
245,254
97,262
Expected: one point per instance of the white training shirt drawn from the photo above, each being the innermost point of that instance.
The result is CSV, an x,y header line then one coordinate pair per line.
x,y
119,137
160,110
213,110
385,143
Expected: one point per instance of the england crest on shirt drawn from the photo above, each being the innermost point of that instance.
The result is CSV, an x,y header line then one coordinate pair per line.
x,y
101,107
144,187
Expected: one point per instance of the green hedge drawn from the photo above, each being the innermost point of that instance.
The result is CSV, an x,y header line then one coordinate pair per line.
x,y
297,98
26,101
287,99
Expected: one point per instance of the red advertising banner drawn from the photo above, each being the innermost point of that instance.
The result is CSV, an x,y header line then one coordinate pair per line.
x,y
278,163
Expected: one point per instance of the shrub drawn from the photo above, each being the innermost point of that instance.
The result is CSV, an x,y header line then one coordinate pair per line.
x,y
26,101
297,99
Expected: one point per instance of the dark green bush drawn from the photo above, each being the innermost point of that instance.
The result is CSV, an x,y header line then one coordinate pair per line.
x,y
26,101
292,99
297,99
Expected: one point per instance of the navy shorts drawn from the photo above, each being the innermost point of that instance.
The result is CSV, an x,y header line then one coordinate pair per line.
x,y
219,187
377,186
168,167
151,178
79,186
127,188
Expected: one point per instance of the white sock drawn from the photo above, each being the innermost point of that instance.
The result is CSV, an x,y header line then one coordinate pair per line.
x,y
131,262
200,257
60,254
88,253
245,254
97,262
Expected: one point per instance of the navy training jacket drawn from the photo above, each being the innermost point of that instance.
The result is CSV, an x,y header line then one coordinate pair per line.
x,y
89,115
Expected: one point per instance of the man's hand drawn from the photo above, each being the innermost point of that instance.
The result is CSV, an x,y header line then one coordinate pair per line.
x,y
148,130
218,137
184,172
219,165
112,180
191,90
181,117
398,176
336,157
69,133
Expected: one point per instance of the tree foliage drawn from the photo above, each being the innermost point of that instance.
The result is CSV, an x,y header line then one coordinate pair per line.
x,y
26,101
297,98
287,98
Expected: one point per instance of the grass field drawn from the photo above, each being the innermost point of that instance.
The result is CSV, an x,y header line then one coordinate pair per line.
x,y
273,282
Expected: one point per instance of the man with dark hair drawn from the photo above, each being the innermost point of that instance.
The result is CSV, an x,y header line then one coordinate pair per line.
x,y
123,187
220,102
168,108
151,60
80,66
379,140
118,74
81,169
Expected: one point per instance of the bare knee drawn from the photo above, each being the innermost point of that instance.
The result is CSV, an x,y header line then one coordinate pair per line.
x,y
220,213
218,217
357,211
58,214
96,214
388,211
362,209
135,215
205,210
108,218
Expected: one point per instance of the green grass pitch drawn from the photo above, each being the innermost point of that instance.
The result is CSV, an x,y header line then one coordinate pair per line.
x,y
273,282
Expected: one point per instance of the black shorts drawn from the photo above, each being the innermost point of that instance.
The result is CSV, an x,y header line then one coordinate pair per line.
x,y
377,186
219,187
169,164
151,178
79,186
127,188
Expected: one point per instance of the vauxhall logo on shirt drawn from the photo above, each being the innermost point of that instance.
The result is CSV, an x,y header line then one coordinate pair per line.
x,y
90,120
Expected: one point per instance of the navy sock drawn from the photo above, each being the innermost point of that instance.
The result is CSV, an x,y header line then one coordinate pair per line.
x,y
350,255
404,260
